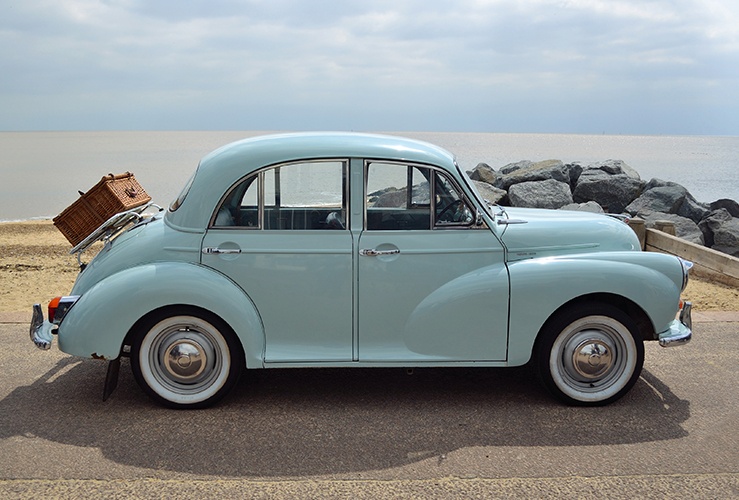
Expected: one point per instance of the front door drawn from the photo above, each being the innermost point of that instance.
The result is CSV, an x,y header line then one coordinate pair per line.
x,y
432,284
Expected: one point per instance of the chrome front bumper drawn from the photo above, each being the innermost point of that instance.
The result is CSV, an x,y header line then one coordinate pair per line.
x,y
680,331
40,329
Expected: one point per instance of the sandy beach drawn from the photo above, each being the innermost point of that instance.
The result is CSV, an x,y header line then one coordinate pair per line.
x,y
35,266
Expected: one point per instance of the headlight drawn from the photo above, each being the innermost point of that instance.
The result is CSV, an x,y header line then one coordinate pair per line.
x,y
686,265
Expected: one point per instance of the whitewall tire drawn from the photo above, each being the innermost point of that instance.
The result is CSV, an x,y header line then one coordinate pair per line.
x,y
590,355
186,358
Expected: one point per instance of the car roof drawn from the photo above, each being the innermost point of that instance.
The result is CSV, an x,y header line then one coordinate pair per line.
x,y
223,167
278,148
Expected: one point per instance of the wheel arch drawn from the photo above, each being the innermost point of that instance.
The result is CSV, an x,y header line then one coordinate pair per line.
x,y
176,309
633,310
101,321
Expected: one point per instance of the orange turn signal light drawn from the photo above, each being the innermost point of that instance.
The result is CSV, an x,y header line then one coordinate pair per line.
x,y
53,305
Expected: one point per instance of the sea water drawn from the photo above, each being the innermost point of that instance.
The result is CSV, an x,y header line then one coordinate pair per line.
x,y
42,172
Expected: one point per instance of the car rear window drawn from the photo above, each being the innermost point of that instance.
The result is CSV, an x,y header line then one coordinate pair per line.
x,y
183,194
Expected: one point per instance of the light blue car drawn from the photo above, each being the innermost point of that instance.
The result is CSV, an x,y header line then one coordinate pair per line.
x,y
357,250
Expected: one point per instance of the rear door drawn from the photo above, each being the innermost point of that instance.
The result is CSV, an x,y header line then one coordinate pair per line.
x,y
281,236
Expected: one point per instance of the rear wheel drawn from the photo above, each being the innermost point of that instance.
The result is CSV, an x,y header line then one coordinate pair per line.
x,y
186,358
590,355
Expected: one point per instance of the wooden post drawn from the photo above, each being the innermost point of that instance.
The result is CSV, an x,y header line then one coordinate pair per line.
x,y
640,229
665,226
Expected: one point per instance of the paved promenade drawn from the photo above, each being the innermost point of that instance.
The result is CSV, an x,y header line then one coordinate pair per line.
x,y
439,433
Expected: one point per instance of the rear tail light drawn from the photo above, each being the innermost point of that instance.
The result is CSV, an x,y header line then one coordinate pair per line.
x,y
53,305
59,306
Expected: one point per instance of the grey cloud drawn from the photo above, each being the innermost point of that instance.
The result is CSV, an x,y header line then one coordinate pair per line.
x,y
490,64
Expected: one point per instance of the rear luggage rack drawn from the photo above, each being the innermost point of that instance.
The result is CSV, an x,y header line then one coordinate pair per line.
x,y
112,195
111,228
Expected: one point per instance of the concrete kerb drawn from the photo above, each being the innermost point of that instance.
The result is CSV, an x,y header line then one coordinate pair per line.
x,y
15,317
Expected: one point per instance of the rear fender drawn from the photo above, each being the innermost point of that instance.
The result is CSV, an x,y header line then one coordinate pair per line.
x,y
97,325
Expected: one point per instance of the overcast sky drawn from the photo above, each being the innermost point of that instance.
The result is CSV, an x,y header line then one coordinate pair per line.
x,y
569,66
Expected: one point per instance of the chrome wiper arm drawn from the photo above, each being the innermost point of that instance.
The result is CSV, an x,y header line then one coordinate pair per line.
x,y
501,211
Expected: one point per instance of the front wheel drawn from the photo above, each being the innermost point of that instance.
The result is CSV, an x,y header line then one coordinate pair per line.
x,y
590,355
186,358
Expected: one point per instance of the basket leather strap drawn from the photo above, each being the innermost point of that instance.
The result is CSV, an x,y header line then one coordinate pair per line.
x,y
92,209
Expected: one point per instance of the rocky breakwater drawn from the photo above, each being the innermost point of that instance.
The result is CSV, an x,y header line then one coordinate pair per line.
x,y
612,186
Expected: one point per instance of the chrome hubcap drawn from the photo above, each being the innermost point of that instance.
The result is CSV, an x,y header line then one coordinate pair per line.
x,y
592,358
589,355
185,360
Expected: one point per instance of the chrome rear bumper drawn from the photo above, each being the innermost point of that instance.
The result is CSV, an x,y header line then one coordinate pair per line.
x,y
40,330
680,331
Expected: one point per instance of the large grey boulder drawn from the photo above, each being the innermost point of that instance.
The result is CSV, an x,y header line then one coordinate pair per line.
x,y
721,231
684,227
615,167
693,209
548,193
483,172
589,206
730,205
516,173
612,191
726,237
394,197
659,196
512,167
668,197
575,170
491,193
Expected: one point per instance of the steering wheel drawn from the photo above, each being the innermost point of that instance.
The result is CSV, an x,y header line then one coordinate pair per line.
x,y
447,211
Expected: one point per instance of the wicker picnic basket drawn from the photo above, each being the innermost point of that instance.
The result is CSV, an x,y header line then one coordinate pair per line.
x,y
112,195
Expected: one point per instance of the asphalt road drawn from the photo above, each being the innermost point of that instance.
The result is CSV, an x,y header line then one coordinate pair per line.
x,y
473,433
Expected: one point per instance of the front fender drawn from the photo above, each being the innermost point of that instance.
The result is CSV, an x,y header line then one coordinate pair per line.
x,y
97,324
539,287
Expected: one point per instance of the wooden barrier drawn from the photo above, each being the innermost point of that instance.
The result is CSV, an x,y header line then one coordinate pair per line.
x,y
708,264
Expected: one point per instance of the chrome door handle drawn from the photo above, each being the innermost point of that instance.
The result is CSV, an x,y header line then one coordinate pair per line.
x,y
371,252
220,251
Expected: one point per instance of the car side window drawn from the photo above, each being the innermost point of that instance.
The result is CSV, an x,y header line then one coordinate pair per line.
x,y
294,196
399,197
450,207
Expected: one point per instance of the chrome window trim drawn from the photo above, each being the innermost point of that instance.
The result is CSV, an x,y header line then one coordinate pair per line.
x,y
365,171
432,195
260,173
